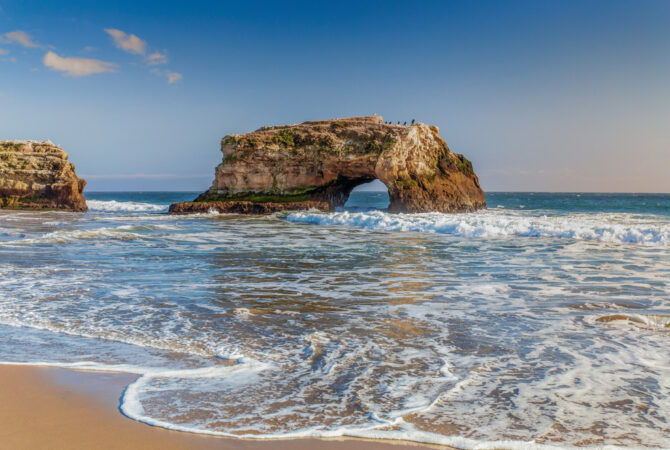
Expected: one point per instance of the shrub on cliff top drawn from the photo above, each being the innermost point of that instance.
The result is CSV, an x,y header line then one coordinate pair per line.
x,y
229,140
286,137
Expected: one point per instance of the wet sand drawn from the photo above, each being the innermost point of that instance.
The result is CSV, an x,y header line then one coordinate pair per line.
x,y
63,409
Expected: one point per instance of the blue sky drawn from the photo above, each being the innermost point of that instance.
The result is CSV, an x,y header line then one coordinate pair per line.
x,y
542,96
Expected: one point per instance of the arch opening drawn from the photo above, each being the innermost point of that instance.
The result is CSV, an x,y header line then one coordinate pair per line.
x,y
368,195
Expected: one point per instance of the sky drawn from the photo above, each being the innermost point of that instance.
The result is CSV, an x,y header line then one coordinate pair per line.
x,y
540,95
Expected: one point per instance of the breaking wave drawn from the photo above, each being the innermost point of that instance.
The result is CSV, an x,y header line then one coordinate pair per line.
x,y
615,228
114,206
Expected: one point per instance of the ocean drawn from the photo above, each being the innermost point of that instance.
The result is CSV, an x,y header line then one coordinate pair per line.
x,y
543,321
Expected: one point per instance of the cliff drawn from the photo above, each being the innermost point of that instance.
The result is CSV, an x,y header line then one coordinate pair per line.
x,y
322,161
38,175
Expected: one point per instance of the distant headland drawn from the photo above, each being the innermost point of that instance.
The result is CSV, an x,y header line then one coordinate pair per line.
x,y
316,164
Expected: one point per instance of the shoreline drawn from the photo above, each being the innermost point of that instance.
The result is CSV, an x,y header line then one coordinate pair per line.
x,y
56,408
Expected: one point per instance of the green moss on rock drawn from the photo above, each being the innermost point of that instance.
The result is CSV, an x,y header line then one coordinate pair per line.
x,y
406,183
464,165
286,137
229,140
294,195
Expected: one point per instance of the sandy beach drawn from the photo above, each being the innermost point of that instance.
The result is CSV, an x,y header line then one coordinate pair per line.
x,y
63,409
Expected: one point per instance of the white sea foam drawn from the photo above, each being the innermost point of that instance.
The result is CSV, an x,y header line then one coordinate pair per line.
x,y
120,233
245,373
615,228
115,206
232,354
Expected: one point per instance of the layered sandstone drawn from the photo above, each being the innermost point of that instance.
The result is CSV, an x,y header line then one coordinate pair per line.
x,y
325,160
38,175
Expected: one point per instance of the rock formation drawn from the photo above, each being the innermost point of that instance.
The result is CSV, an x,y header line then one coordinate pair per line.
x,y
38,175
323,161
243,207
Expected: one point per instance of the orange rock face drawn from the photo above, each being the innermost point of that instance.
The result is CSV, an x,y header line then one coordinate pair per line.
x,y
38,175
325,160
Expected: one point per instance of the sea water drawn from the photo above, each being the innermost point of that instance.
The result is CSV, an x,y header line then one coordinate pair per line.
x,y
542,321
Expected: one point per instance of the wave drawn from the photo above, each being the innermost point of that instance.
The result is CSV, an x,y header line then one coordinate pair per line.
x,y
115,206
615,228
121,233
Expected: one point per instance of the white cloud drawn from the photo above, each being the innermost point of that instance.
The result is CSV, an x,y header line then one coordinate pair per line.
x,y
173,77
156,58
3,51
132,44
77,67
19,37
127,42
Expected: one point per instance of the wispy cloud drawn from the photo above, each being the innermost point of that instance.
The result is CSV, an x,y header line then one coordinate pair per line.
x,y
133,44
77,67
19,37
156,58
4,53
173,77
127,42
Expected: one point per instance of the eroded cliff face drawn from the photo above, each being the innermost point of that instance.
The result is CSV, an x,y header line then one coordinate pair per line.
x,y
324,161
38,175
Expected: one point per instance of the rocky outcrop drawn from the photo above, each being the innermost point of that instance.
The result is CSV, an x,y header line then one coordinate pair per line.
x,y
38,175
244,207
325,160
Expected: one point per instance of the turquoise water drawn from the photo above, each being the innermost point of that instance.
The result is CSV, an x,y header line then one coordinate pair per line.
x,y
543,320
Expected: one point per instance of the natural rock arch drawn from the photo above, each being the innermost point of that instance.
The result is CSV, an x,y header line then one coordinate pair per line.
x,y
323,161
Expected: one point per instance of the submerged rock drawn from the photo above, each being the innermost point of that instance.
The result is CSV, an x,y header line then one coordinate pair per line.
x,y
38,175
324,161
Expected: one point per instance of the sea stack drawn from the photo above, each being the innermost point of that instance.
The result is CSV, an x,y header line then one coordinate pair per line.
x,y
317,164
38,175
